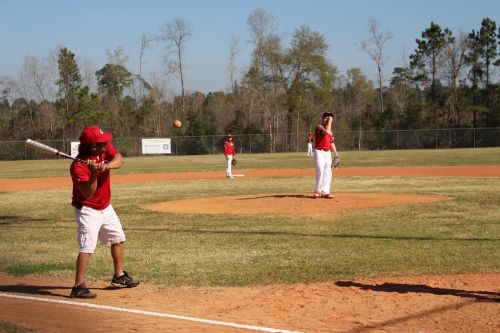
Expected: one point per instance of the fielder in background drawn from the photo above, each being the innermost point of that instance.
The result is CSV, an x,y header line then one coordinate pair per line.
x,y
324,146
95,217
230,154
310,145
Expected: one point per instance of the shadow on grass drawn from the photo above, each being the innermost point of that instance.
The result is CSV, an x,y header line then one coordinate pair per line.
x,y
8,220
271,233
281,233
402,288
279,196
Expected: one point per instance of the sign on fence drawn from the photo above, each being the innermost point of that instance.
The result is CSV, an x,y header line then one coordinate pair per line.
x,y
156,146
74,148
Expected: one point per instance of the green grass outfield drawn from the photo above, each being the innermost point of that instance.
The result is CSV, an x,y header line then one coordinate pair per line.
x,y
38,232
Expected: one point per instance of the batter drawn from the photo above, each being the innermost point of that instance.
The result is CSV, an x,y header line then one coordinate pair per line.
x,y
95,217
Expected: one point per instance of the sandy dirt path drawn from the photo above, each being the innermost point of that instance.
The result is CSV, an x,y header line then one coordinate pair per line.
x,y
18,184
456,303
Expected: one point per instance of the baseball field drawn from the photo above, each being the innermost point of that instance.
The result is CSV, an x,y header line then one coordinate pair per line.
x,y
411,242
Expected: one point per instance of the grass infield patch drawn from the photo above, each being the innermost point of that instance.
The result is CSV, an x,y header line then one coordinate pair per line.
x,y
6,327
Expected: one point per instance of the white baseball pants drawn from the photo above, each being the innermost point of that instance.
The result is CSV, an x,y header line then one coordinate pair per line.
x,y
309,149
324,175
229,159
96,224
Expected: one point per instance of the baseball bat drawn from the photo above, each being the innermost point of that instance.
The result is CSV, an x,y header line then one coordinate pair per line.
x,y
38,145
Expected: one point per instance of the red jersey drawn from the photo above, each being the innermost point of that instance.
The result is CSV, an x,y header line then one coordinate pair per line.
x,y
229,148
310,138
323,140
80,173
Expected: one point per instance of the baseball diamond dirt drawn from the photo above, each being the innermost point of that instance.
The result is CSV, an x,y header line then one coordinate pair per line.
x,y
439,303
17,184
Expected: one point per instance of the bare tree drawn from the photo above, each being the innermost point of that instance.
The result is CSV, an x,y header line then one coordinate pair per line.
x,y
454,59
233,51
89,68
157,115
374,47
145,44
117,56
262,76
175,33
358,93
139,84
26,87
262,29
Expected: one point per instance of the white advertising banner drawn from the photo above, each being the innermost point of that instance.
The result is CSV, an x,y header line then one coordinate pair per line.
x,y
74,148
156,146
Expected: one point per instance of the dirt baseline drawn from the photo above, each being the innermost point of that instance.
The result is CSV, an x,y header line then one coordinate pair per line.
x,y
454,303
19,184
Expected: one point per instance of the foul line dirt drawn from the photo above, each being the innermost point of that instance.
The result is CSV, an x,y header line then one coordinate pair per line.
x,y
19,184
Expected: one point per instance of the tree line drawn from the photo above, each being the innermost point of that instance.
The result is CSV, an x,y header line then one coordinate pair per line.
x,y
448,82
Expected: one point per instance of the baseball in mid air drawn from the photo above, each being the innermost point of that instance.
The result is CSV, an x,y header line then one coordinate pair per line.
x,y
177,124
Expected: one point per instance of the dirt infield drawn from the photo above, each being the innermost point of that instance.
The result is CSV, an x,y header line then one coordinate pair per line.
x,y
456,303
452,303
294,204
19,184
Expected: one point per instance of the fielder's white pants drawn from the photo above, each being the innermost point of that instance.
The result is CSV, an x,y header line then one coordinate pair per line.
x,y
309,149
323,165
229,159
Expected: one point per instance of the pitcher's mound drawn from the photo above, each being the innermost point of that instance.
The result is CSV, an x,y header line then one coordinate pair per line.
x,y
294,204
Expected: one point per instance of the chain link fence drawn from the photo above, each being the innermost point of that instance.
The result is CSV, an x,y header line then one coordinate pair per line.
x,y
287,142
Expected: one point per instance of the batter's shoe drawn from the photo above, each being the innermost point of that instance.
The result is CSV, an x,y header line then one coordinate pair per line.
x,y
327,196
80,291
316,195
124,281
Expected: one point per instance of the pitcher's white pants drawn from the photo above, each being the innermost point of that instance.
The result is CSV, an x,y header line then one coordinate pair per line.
x,y
229,159
323,165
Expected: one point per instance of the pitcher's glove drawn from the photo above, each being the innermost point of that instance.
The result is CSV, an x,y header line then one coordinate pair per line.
x,y
234,162
336,162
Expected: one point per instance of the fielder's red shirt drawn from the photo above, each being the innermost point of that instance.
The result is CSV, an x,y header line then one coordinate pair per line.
x,y
229,148
310,138
322,139
80,173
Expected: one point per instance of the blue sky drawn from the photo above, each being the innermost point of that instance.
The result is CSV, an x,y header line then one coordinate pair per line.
x,y
89,28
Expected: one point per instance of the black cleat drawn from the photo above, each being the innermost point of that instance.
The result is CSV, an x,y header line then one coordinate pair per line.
x,y
124,281
80,291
